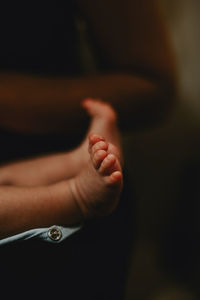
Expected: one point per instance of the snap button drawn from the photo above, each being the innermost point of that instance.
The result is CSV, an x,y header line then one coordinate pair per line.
x,y
55,234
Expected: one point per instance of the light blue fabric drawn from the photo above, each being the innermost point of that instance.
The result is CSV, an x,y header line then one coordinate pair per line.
x,y
42,234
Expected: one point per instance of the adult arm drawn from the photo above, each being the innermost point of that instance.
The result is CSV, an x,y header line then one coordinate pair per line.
x,y
136,74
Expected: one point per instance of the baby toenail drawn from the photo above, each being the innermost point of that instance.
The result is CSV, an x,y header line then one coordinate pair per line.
x,y
110,156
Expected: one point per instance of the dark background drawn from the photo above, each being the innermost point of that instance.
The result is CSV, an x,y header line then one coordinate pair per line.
x,y
165,168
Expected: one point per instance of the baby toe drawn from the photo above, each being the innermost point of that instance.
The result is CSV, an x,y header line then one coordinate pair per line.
x,y
101,145
98,157
115,178
93,139
107,165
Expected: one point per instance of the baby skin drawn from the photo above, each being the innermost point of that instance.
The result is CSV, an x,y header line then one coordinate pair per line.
x,y
103,121
49,169
93,192
97,188
65,188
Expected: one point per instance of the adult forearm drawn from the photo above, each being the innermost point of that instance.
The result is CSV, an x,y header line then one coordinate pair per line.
x,y
27,208
40,105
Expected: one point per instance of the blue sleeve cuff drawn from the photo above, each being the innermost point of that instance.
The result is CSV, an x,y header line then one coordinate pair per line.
x,y
53,234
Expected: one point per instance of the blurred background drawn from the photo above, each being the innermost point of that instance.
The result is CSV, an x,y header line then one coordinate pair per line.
x,y
164,164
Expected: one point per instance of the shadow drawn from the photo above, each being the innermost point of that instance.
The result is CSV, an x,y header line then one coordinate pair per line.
x,y
180,245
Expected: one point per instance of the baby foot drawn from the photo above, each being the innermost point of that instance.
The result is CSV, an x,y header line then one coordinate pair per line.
x,y
104,120
97,188
104,123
